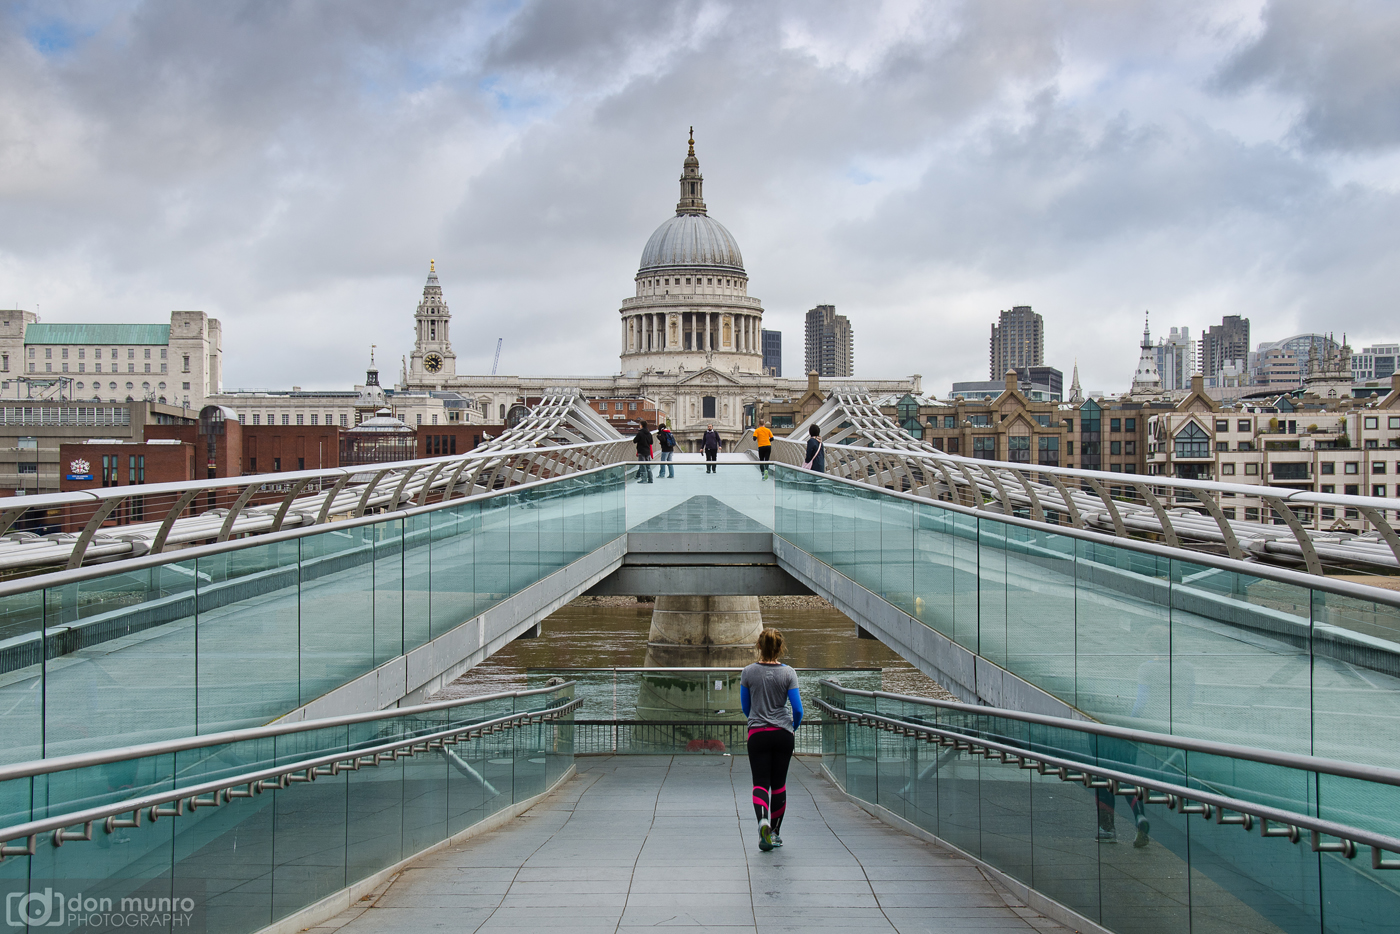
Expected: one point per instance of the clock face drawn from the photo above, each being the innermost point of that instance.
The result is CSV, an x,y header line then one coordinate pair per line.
x,y
432,363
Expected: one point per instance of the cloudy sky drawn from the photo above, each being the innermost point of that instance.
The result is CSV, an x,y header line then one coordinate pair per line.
x,y
290,167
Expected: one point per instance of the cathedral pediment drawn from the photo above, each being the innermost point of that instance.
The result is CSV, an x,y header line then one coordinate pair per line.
x,y
708,376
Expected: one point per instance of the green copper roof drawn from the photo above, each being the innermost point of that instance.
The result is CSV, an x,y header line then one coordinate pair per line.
x,y
97,334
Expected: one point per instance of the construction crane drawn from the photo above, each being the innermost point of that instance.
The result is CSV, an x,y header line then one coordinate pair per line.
x,y
497,362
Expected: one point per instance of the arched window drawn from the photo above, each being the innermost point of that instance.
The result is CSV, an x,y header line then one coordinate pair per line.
x,y
1191,441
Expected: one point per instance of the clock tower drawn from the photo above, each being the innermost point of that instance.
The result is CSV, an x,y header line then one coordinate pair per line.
x,y
433,360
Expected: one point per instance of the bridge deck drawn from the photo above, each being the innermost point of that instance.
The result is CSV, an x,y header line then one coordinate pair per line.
x,y
636,842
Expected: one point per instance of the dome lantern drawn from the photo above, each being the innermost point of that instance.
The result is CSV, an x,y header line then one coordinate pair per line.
x,y
692,183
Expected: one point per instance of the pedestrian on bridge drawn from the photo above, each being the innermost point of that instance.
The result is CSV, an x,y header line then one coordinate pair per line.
x,y
766,689
642,439
816,451
763,437
710,443
667,441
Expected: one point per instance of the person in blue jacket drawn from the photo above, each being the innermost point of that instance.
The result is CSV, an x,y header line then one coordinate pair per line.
x,y
766,689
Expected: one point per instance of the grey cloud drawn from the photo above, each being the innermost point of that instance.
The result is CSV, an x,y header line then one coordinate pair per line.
x,y
1338,59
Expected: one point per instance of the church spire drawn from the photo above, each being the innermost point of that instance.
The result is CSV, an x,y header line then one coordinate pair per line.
x,y
1076,395
692,183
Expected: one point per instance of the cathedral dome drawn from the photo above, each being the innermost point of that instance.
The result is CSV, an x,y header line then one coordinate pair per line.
x,y
692,240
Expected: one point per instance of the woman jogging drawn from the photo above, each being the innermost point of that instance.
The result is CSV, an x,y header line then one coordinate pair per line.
x,y
765,689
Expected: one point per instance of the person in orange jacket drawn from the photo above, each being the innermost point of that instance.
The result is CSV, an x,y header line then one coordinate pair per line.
x,y
763,437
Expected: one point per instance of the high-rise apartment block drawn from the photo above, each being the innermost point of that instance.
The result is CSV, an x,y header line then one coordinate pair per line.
x,y
1225,345
1018,339
772,352
830,348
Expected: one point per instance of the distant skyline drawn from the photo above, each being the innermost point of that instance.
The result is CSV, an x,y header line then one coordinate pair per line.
x,y
291,168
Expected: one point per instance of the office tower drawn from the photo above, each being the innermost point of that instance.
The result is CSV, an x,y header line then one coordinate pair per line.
x,y
1018,339
1176,359
830,350
772,352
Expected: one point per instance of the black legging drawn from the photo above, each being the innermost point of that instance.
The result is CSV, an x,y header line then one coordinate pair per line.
x,y
764,455
770,751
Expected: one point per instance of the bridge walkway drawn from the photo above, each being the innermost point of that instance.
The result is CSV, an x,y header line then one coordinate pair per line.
x,y
638,842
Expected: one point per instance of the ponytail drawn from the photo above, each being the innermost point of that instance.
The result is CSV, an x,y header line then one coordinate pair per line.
x,y
769,645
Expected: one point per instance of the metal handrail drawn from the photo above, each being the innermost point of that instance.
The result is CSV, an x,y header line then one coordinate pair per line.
x,y
886,454
222,790
1179,798
510,466
161,747
1251,568
153,559
1337,767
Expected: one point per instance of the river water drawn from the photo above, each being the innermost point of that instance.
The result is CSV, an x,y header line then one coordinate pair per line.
x,y
585,635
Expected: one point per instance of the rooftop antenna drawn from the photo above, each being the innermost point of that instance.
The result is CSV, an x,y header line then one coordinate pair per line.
x,y
497,362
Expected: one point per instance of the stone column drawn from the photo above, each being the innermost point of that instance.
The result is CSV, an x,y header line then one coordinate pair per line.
x,y
703,632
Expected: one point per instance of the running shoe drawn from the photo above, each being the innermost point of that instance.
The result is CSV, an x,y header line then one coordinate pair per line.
x,y
1107,836
777,841
765,836
1142,838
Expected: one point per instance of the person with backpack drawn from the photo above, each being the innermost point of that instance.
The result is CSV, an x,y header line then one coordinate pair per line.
x,y
642,439
763,437
710,443
668,448
816,452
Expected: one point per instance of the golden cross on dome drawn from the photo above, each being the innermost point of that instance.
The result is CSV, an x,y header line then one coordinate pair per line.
x,y
692,141
432,265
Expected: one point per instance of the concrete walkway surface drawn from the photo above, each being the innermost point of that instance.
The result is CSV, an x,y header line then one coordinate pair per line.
x,y
638,842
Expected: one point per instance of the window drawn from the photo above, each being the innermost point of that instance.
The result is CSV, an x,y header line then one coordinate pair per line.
x,y
707,407
1222,424
1018,449
65,368
301,419
29,468
114,354
1290,471
953,445
1372,444
1115,448
286,419
344,421
148,368
1327,467
48,367
1251,470
420,418
48,353
602,406
65,353
162,353
1115,424
1378,491
313,418
187,364
985,447
241,418
1130,447
97,368
1251,513
1222,445
631,406
164,368
147,353
1048,451
1351,489
1227,470
1130,424
1378,467
1246,446
950,421
31,353
1394,421
1351,467
277,463
980,421
131,368
184,385
131,353
1243,425
1229,512
82,367
1191,441
1371,421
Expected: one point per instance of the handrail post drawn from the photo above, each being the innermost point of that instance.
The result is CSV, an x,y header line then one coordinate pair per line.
x,y
75,559
235,509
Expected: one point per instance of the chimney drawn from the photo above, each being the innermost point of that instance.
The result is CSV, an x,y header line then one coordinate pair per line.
x,y
1198,383
813,382
1011,379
